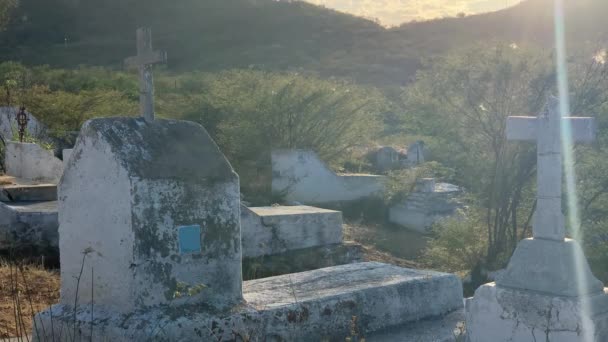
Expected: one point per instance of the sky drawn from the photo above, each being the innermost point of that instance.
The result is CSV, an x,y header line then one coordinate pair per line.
x,y
395,12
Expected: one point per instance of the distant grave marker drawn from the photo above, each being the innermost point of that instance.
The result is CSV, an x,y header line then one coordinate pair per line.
x,y
145,59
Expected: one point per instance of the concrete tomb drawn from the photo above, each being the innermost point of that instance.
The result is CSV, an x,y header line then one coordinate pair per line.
x,y
287,239
28,218
429,203
547,291
150,210
31,162
274,230
416,153
302,177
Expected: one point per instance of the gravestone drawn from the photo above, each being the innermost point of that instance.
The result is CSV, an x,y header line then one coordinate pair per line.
x,y
547,291
387,158
155,207
415,153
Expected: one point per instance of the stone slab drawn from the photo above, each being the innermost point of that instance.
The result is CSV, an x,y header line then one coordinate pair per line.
x,y
501,314
274,230
308,306
550,266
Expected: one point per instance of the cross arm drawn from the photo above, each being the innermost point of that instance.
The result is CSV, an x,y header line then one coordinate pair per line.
x,y
525,128
152,57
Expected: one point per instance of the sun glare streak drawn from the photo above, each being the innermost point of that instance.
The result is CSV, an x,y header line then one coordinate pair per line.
x,y
567,151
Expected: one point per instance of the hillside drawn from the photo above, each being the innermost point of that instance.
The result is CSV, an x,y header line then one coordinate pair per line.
x,y
266,34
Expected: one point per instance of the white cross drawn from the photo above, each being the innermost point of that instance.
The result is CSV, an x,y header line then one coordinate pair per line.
x,y
144,60
546,130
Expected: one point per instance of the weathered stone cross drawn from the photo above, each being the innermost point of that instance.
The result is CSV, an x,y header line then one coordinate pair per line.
x,y
546,130
144,60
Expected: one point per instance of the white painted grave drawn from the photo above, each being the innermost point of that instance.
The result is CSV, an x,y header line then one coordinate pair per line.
x,y
304,178
31,162
274,230
547,291
157,206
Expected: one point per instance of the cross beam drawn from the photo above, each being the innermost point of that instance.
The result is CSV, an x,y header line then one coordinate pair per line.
x,y
546,129
144,60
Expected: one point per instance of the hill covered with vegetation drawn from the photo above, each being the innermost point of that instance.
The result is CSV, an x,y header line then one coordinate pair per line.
x,y
214,35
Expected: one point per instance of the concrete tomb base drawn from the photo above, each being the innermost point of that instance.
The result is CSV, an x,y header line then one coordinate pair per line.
x,y
273,230
300,260
307,306
550,266
503,314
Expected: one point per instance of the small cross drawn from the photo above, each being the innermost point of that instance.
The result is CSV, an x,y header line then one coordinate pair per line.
x,y
546,130
144,60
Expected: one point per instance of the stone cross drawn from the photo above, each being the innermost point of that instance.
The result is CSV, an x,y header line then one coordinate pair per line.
x,y
547,131
144,60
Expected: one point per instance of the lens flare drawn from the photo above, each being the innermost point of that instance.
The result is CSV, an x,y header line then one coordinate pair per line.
x,y
567,151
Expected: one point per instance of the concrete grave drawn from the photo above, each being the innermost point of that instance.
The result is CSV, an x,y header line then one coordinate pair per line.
x,y
28,217
302,177
155,206
31,162
286,239
416,153
547,291
387,158
429,203
307,306
274,230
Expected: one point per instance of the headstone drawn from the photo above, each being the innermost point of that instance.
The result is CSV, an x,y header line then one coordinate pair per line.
x,y
153,208
415,153
547,291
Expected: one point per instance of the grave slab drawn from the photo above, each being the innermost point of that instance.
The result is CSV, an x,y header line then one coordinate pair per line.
x,y
307,306
274,230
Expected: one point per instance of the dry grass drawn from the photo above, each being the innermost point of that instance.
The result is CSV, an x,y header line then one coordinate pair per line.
x,y
24,291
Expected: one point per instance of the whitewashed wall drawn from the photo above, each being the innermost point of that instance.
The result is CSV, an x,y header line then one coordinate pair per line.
x,y
32,162
304,178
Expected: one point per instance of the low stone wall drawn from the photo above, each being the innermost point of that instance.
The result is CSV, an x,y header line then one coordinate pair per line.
x,y
31,162
302,177
273,230
426,206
